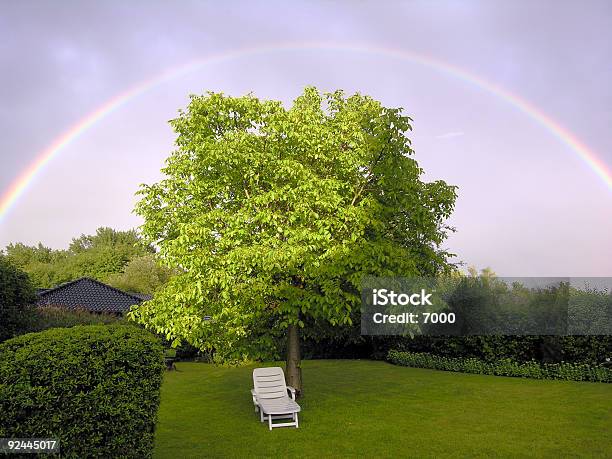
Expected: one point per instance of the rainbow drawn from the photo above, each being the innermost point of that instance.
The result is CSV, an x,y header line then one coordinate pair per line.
x,y
20,184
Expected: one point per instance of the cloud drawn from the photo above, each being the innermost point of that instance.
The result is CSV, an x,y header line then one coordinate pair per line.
x,y
450,135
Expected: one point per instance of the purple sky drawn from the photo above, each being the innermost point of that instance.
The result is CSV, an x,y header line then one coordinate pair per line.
x,y
528,205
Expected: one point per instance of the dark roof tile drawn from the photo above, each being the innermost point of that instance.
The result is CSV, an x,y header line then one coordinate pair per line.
x,y
89,294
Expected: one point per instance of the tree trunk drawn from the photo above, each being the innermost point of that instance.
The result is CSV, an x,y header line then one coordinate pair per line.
x,y
293,368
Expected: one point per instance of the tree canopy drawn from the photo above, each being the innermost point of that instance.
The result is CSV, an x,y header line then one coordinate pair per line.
x,y
98,256
141,274
275,214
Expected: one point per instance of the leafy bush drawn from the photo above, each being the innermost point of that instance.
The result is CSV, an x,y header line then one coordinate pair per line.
x,y
57,317
17,297
503,367
170,353
94,388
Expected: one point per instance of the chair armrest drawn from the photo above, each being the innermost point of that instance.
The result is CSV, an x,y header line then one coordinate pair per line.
x,y
254,394
292,390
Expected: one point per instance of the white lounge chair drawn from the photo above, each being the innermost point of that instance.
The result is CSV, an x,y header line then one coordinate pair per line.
x,y
271,399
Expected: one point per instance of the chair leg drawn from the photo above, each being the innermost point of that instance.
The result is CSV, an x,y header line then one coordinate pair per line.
x,y
296,420
270,421
261,415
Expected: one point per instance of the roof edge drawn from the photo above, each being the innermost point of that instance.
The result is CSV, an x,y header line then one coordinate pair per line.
x,y
69,283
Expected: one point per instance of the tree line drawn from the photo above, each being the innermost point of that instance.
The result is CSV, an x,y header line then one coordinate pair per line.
x,y
117,258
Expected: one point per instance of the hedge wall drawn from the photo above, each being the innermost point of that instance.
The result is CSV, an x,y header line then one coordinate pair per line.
x,y
591,350
94,388
504,367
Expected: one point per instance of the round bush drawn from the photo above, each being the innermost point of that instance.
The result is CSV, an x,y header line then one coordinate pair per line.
x,y
93,388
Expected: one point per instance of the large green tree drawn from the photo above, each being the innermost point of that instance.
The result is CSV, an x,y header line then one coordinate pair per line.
x,y
274,215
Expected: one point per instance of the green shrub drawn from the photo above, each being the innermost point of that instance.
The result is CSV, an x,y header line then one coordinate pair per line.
x,y
17,297
184,351
94,388
170,353
503,367
57,317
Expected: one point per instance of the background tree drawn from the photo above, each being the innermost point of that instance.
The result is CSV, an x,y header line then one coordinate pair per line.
x,y
98,256
142,275
274,215
45,266
17,298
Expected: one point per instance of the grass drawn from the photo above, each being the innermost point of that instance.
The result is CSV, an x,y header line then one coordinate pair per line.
x,y
360,408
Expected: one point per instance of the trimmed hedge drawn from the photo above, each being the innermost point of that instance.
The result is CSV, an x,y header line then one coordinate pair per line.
x,y
591,350
94,388
503,367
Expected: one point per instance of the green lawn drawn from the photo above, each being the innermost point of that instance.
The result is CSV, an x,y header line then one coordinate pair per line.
x,y
363,408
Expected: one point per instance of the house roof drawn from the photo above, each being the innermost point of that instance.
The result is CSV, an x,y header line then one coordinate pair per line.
x,y
142,296
90,294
